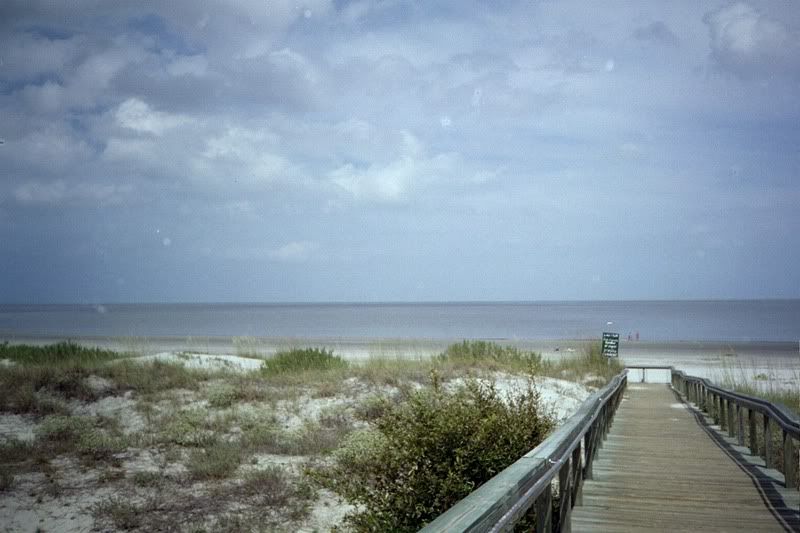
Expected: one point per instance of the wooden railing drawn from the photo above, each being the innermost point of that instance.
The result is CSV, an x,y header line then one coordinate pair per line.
x,y
727,408
564,459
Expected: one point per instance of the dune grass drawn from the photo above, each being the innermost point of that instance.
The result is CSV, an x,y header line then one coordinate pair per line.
x,y
762,383
201,418
303,360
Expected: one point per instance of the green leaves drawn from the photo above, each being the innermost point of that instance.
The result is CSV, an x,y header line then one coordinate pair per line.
x,y
431,450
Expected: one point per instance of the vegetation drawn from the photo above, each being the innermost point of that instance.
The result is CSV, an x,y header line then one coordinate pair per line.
x,y
303,360
747,381
760,384
217,460
429,451
212,434
491,355
62,353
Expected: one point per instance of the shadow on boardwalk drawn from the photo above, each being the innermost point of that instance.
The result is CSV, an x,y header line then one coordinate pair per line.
x,y
781,502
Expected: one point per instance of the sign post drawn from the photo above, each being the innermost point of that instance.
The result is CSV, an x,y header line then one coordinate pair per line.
x,y
610,344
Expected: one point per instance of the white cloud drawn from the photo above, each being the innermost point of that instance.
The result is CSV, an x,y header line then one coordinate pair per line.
x,y
85,85
136,115
242,155
747,42
297,251
395,180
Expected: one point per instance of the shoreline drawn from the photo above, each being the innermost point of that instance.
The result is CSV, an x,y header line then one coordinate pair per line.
x,y
408,346
779,361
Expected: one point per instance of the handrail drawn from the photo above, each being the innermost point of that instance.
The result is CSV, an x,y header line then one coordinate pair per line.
x,y
785,418
727,408
567,453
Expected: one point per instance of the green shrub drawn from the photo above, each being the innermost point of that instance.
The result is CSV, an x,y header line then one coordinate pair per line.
x,y
148,478
16,451
274,487
120,512
218,460
303,360
61,370
222,397
83,435
6,478
153,376
588,362
428,452
482,353
188,427
54,354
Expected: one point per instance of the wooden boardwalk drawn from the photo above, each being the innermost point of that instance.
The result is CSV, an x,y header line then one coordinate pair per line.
x,y
663,469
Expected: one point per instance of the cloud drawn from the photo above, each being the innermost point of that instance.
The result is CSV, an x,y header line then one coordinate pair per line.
x,y
59,191
748,43
297,251
26,55
395,180
195,65
87,84
136,115
656,32
241,155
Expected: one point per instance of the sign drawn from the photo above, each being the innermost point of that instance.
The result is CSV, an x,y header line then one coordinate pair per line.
x,y
611,344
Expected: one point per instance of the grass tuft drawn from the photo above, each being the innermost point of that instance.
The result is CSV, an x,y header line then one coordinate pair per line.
x,y
303,360
6,479
218,460
120,512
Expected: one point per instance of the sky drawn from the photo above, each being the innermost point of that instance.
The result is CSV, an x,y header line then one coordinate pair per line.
x,y
275,151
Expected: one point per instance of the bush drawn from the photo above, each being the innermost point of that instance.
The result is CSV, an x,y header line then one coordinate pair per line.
x,y
6,479
427,453
218,460
54,354
61,370
80,434
482,352
120,512
302,360
153,376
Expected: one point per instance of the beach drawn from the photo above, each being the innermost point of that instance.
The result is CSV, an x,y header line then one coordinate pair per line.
x,y
161,431
778,360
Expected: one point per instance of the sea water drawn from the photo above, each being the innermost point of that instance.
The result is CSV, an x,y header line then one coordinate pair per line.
x,y
729,320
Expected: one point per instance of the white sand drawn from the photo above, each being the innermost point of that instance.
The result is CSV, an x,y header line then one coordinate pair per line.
x,y
25,509
205,361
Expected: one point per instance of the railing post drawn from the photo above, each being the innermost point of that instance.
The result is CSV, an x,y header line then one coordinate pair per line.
x,y
544,511
564,499
789,461
751,418
714,412
723,416
739,424
731,415
587,454
768,462
577,481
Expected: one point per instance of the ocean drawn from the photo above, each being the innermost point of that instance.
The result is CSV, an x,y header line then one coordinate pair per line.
x,y
699,320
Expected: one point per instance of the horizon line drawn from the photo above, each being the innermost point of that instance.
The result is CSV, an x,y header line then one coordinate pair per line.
x,y
405,302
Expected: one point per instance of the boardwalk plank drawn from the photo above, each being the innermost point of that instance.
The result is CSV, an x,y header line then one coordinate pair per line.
x,y
661,470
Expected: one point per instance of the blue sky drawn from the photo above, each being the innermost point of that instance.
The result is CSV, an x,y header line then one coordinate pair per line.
x,y
374,151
